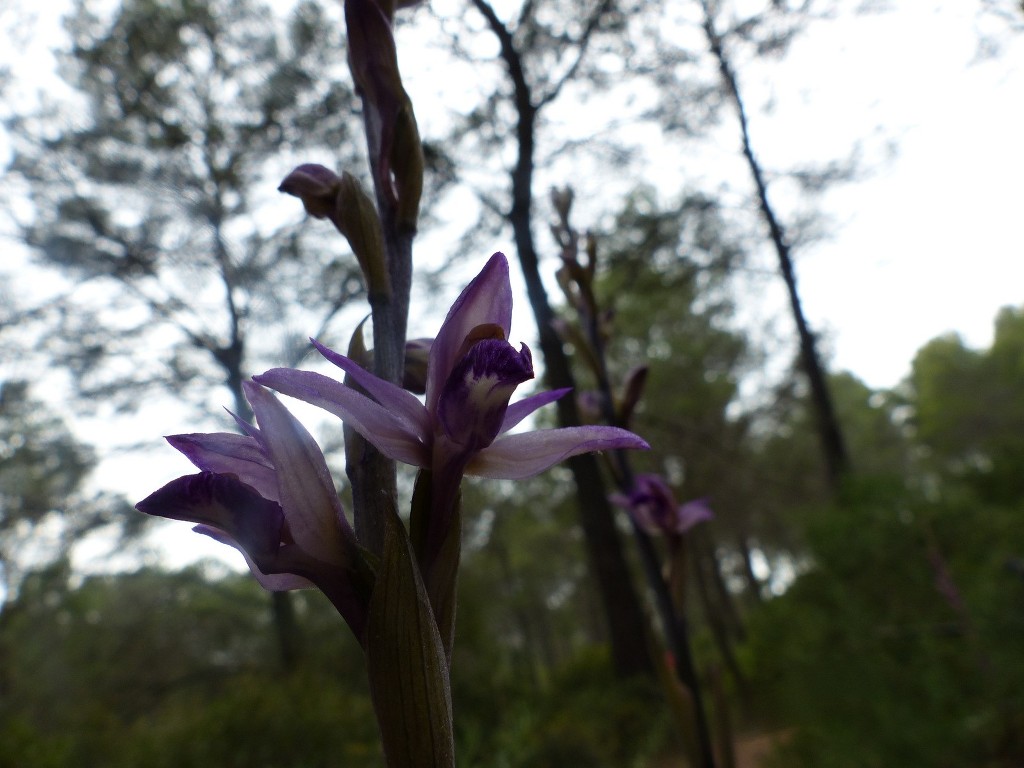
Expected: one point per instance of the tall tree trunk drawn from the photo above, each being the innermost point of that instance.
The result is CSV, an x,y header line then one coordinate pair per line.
x,y
833,445
619,597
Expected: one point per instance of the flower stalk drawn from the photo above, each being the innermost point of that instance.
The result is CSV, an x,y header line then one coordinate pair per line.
x,y
647,498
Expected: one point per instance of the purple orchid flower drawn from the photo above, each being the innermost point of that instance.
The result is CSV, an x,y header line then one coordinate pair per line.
x,y
463,426
652,505
269,494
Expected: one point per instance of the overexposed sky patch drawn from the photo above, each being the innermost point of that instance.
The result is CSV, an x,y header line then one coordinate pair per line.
x,y
929,242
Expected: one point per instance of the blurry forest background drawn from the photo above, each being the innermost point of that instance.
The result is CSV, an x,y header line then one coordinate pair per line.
x,y
858,599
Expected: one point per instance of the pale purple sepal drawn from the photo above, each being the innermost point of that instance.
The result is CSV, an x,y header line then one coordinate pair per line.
x,y
392,397
305,487
513,457
520,410
691,513
274,582
224,503
229,453
487,300
393,435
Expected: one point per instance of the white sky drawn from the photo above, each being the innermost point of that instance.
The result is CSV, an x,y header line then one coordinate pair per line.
x,y
932,240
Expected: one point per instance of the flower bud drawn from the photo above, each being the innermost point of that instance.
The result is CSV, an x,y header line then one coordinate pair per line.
x,y
326,195
417,356
632,391
316,186
356,218
397,154
561,201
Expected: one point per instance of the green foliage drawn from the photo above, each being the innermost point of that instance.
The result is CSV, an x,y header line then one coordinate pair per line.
x,y
582,715
300,720
178,670
968,409
900,645
158,669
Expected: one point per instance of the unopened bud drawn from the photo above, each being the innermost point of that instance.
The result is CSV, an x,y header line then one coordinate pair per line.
x,y
561,201
316,186
417,354
356,218
632,391
563,276
407,166
326,195
390,122
357,348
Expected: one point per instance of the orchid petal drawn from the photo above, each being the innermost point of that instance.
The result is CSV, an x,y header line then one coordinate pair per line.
x,y
229,453
274,582
513,457
222,502
520,409
486,300
247,428
395,437
308,497
391,396
315,185
691,513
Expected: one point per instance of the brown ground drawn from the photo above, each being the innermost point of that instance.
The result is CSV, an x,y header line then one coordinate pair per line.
x,y
751,750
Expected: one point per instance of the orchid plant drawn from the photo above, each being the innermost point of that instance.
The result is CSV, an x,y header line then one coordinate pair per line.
x,y
267,490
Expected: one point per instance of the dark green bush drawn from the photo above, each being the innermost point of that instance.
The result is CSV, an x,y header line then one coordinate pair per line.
x,y
901,643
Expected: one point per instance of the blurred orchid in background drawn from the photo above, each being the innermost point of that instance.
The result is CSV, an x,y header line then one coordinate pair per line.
x,y
653,506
